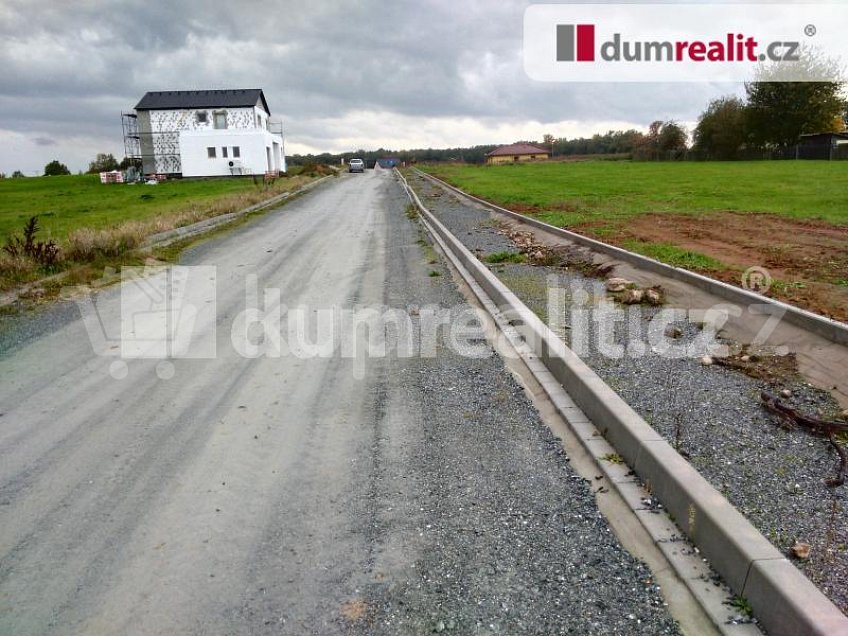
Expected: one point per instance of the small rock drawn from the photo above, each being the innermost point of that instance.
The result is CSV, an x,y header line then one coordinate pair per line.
x,y
440,627
653,296
707,361
801,550
745,358
538,255
617,284
673,332
632,297
786,393
844,414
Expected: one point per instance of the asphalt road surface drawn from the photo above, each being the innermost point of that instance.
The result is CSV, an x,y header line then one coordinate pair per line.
x,y
256,494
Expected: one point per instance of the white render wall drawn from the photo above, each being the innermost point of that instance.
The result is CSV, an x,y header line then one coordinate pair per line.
x,y
177,133
186,118
253,145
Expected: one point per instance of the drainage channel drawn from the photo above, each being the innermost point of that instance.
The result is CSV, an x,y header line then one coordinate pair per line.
x,y
782,598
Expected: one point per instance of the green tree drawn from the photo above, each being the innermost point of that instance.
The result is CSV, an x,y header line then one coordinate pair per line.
x,y
722,129
779,111
17,174
103,163
128,162
672,140
54,169
665,140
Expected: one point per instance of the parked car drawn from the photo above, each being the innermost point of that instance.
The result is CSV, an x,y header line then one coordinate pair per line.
x,y
356,165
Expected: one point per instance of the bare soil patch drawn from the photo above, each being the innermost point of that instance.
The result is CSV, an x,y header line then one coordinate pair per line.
x,y
808,260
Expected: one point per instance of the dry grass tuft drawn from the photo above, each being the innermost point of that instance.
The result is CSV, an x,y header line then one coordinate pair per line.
x,y
85,245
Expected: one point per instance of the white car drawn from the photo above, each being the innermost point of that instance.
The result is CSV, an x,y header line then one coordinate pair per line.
x,y
356,165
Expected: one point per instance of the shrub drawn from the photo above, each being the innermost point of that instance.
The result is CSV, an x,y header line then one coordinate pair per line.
x,y
55,168
44,253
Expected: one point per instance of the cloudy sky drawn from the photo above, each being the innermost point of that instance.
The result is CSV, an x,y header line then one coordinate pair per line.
x,y
341,75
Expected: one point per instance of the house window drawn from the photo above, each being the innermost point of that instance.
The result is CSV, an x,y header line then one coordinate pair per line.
x,y
221,119
224,152
210,152
202,117
259,121
236,152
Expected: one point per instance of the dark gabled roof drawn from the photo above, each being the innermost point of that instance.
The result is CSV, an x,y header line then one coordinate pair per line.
x,y
517,149
236,98
838,135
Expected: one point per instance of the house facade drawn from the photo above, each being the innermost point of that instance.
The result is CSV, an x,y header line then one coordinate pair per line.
x,y
515,153
205,134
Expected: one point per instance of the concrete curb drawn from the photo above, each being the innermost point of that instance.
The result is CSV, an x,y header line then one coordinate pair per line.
x,y
783,599
825,327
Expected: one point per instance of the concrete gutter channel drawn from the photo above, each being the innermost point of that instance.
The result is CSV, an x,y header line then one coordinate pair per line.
x,y
784,601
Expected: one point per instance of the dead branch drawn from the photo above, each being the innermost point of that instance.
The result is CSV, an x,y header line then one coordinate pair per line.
x,y
816,426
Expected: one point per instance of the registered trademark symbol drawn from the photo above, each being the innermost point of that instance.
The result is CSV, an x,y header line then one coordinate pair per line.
x,y
810,30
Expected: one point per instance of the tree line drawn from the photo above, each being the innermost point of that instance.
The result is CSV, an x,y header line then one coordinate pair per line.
x,y
771,119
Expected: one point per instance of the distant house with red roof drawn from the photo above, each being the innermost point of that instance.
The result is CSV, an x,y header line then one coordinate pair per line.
x,y
515,153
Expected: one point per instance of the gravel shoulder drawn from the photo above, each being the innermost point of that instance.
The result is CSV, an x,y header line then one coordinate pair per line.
x,y
711,414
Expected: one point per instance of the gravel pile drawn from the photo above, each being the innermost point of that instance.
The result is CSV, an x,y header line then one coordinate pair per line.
x,y
711,414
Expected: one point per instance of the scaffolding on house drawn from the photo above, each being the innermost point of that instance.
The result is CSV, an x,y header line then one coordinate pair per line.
x,y
158,152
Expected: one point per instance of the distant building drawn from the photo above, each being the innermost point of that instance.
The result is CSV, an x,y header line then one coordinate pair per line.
x,y
515,153
831,145
204,133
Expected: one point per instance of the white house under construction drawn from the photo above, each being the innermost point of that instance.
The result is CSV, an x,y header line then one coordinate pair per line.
x,y
204,133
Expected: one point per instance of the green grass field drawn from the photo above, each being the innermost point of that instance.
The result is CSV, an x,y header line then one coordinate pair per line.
x,y
568,194
66,203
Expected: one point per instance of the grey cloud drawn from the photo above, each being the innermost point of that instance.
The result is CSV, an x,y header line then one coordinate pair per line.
x,y
43,141
75,66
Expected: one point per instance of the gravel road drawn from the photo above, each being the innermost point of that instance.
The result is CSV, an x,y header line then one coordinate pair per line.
x,y
292,495
711,414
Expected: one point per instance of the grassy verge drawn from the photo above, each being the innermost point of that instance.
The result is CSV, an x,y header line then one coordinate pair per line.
x,y
96,226
676,256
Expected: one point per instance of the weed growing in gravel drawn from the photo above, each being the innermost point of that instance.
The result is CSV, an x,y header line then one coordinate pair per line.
x,y
613,458
411,212
505,257
433,273
741,604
